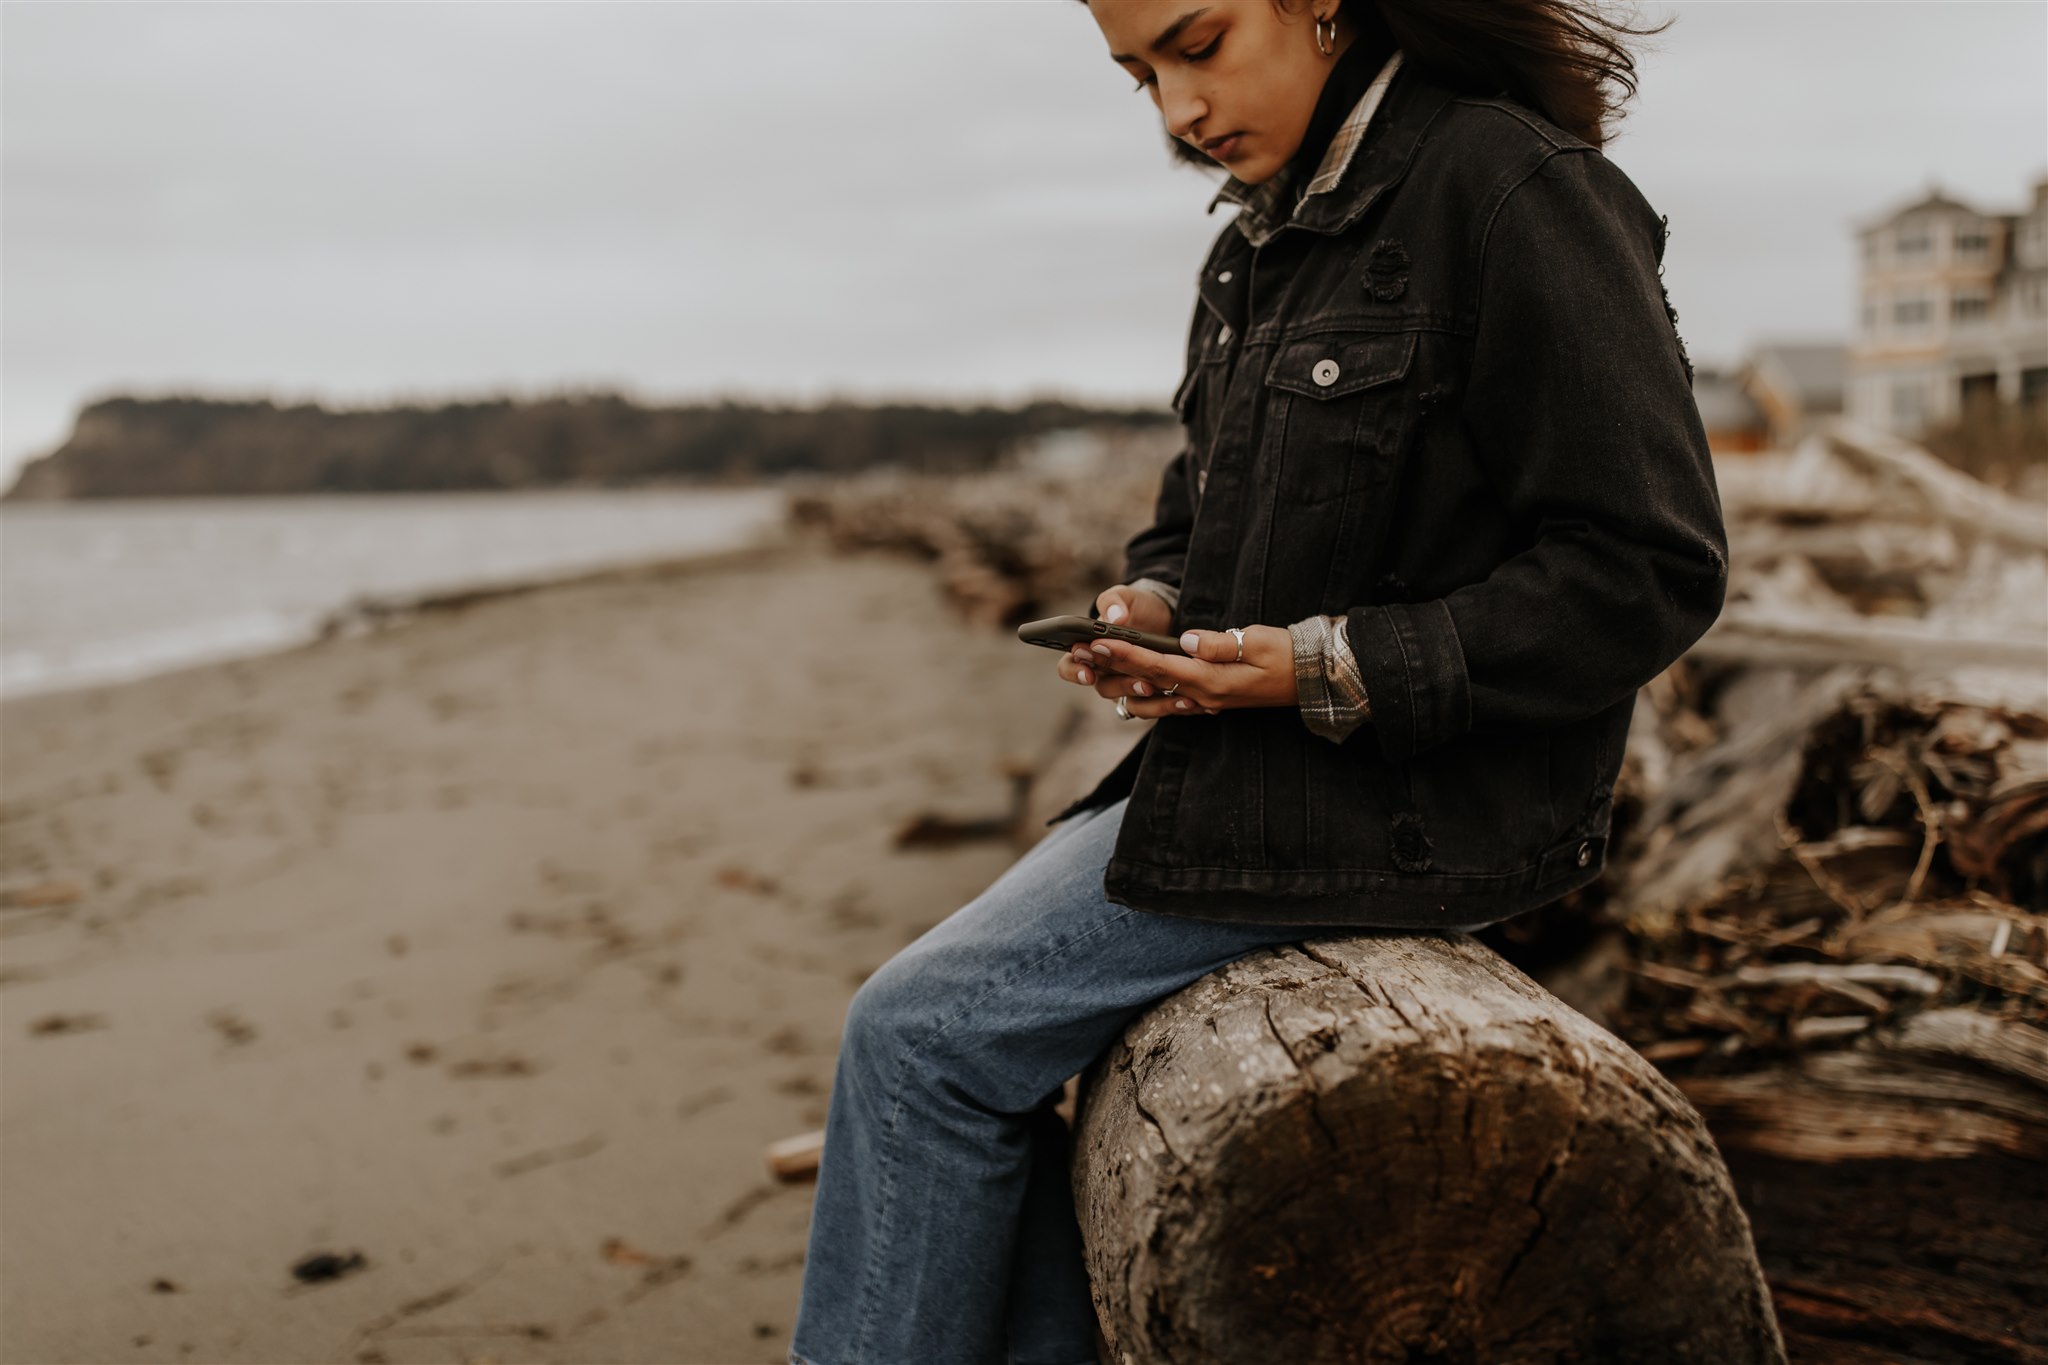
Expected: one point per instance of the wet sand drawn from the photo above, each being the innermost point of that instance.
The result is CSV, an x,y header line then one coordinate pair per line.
x,y
492,947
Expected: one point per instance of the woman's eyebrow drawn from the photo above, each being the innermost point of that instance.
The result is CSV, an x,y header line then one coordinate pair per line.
x,y
1171,32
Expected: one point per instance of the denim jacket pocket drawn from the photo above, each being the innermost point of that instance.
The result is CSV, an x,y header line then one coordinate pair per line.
x,y
1336,402
1481,799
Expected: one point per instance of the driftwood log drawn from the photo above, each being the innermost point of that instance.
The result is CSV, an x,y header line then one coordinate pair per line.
x,y
1372,1147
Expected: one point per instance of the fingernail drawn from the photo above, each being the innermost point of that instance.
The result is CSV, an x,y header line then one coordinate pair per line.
x,y
1143,689
1115,612
1085,677
1188,641
1100,649
1180,703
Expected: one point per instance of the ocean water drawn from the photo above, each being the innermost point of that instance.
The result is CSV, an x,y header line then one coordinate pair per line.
x,y
108,590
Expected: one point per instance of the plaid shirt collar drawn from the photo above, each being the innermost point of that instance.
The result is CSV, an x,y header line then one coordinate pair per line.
x,y
1262,204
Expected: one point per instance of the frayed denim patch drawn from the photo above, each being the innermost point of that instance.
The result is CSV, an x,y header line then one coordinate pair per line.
x,y
1386,274
1411,843
1663,234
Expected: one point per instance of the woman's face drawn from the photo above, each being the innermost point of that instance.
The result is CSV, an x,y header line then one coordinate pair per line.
x,y
1225,69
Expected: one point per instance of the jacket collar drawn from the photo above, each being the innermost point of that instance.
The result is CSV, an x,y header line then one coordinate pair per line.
x,y
1355,168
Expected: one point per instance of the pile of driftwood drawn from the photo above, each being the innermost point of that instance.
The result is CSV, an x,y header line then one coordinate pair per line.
x,y
1835,807
1859,548
1824,917
1863,854
1824,923
1009,545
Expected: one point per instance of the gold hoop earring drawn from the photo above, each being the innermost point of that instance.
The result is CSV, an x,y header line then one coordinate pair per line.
x,y
1329,47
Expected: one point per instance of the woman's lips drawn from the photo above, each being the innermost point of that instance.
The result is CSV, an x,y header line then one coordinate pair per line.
x,y
1227,148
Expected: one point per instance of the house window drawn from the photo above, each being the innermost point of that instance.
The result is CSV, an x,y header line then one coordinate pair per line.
x,y
1972,243
1869,317
1909,402
1914,241
1912,313
2033,236
1978,391
1969,307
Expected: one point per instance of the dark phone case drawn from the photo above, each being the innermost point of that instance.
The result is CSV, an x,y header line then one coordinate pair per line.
x,y
1064,632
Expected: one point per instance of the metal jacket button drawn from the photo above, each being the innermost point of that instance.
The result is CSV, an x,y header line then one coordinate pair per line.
x,y
1201,481
1325,372
1223,277
1224,335
1585,854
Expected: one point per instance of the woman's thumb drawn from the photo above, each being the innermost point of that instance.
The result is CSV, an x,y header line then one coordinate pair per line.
x,y
1208,644
1113,606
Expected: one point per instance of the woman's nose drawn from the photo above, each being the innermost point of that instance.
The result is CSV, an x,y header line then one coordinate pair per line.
x,y
1181,108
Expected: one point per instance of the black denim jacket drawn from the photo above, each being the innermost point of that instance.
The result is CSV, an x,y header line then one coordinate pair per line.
x,y
1447,401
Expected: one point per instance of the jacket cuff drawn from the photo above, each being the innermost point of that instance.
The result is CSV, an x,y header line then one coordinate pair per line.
x,y
1331,693
1411,661
1167,592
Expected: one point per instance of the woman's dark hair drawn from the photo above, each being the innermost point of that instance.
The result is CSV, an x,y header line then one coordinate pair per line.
x,y
1563,59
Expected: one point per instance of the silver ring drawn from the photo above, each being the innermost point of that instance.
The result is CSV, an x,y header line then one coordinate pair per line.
x,y
1171,690
1238,631
1123,708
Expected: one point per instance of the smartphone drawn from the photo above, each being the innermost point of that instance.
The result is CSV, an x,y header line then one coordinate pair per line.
x,y
1064,632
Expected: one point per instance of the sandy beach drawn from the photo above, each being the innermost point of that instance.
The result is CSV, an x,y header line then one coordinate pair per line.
x,y
491,948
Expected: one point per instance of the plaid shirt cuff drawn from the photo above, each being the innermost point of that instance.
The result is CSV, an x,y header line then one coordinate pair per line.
x,y
1166,591
1331,692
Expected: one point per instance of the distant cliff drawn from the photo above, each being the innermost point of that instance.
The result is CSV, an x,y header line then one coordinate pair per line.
x,y
180,447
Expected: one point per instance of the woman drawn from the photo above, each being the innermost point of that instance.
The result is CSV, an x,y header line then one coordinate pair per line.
x,y
1445,503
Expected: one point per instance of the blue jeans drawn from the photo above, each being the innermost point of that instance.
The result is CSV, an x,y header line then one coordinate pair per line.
x,y
943,1229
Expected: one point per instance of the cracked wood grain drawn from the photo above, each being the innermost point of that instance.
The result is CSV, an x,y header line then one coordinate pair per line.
x,y
1371,1147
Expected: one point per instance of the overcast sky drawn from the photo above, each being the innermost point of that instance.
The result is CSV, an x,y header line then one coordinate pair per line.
x,y
361,202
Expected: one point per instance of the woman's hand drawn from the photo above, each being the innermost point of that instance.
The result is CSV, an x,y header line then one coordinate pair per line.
x,y
1121,605
1212,680
1136,608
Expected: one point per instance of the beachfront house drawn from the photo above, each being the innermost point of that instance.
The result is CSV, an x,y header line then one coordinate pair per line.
x,y
1954,312
1735,424
1795,385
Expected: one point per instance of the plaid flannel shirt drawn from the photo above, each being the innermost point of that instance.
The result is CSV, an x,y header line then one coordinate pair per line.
x,y
1330,692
